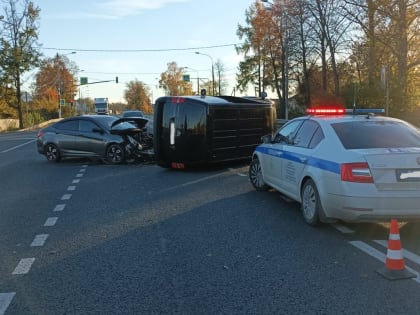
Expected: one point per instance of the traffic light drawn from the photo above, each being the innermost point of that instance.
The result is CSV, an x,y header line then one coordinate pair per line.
x,y
116,79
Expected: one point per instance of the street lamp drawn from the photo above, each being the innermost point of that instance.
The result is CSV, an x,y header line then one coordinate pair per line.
x,y
212,67
286,58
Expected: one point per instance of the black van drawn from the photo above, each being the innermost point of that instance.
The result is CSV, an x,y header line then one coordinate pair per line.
x,y
191,130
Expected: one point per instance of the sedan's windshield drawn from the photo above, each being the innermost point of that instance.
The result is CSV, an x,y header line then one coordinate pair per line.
x,y
376,134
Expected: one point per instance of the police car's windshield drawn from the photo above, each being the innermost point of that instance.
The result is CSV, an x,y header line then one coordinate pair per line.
x,y
376,134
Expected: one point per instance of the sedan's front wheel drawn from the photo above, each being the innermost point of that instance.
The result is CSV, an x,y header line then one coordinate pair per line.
x,y
114,154
256,176
311,204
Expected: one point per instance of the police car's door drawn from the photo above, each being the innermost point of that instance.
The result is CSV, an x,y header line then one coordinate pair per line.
x,y
297,154
276,154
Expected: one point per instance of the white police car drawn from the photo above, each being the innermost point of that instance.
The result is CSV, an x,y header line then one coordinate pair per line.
x,y
348,165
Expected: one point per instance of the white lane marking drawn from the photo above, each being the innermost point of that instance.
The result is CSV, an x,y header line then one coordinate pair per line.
x,y
407,254
369,250
18,146
193,182
75,181
380,256
66,197
343,229
23,266
5,300
80,175
82,170
51,221
39,240
85,165
70,188
59,207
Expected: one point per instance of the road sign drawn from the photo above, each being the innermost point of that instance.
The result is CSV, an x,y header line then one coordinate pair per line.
x,y
83,80
186,78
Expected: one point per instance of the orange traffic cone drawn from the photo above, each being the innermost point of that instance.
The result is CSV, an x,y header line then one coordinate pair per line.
x,y
394,264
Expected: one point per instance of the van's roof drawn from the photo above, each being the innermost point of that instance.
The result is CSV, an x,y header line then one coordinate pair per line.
x,y
216,100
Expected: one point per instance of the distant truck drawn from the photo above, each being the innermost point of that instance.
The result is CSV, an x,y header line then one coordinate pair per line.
x,y
101,106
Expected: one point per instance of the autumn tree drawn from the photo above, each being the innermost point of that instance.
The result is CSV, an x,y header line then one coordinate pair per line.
x,y
55,80
137,95
18,46
171,81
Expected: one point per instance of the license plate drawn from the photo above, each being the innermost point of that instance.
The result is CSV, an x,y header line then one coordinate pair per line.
x,y
408,175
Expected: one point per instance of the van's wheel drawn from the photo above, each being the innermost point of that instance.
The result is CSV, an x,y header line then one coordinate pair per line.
x,y
311,204
256,177
114,154
52,153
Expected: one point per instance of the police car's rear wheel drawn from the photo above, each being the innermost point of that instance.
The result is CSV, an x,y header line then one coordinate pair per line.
x,y
311,205
256,177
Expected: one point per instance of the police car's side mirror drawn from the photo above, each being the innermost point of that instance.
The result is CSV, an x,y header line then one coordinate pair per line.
x,y
266,138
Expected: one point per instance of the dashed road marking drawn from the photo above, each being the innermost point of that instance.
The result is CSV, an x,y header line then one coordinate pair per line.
x,y
75,181
70,188
39,240
66,197
59,207
343,229
5,300
51,221
80,175
23,266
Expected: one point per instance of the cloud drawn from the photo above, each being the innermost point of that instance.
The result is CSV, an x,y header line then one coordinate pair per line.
x,y
121,8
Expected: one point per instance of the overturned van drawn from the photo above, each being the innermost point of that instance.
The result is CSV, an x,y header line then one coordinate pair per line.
x,y
190,130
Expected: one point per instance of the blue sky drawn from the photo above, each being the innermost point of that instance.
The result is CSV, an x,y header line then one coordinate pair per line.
x,y
145,35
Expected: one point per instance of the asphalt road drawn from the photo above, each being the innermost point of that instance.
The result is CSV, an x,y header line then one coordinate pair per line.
x,y
79,237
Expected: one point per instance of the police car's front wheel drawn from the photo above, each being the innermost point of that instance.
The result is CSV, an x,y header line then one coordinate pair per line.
x,y
256,177
311,204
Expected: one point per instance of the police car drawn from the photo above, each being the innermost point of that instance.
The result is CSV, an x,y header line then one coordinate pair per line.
x,y
349,165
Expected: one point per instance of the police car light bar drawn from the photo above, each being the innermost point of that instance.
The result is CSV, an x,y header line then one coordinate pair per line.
x,y
326,111
358,111
342,111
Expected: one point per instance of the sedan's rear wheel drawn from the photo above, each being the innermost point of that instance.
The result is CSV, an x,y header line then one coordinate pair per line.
x,y
256,176
311,204
52,153
114,154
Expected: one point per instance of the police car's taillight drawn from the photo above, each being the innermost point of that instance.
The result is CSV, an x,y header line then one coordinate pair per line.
x,y
356,172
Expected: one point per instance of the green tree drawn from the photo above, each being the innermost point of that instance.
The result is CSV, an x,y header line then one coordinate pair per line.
x,y
137,95
19,51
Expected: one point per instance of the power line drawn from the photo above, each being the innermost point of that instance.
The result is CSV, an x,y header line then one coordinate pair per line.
x,y
137,50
